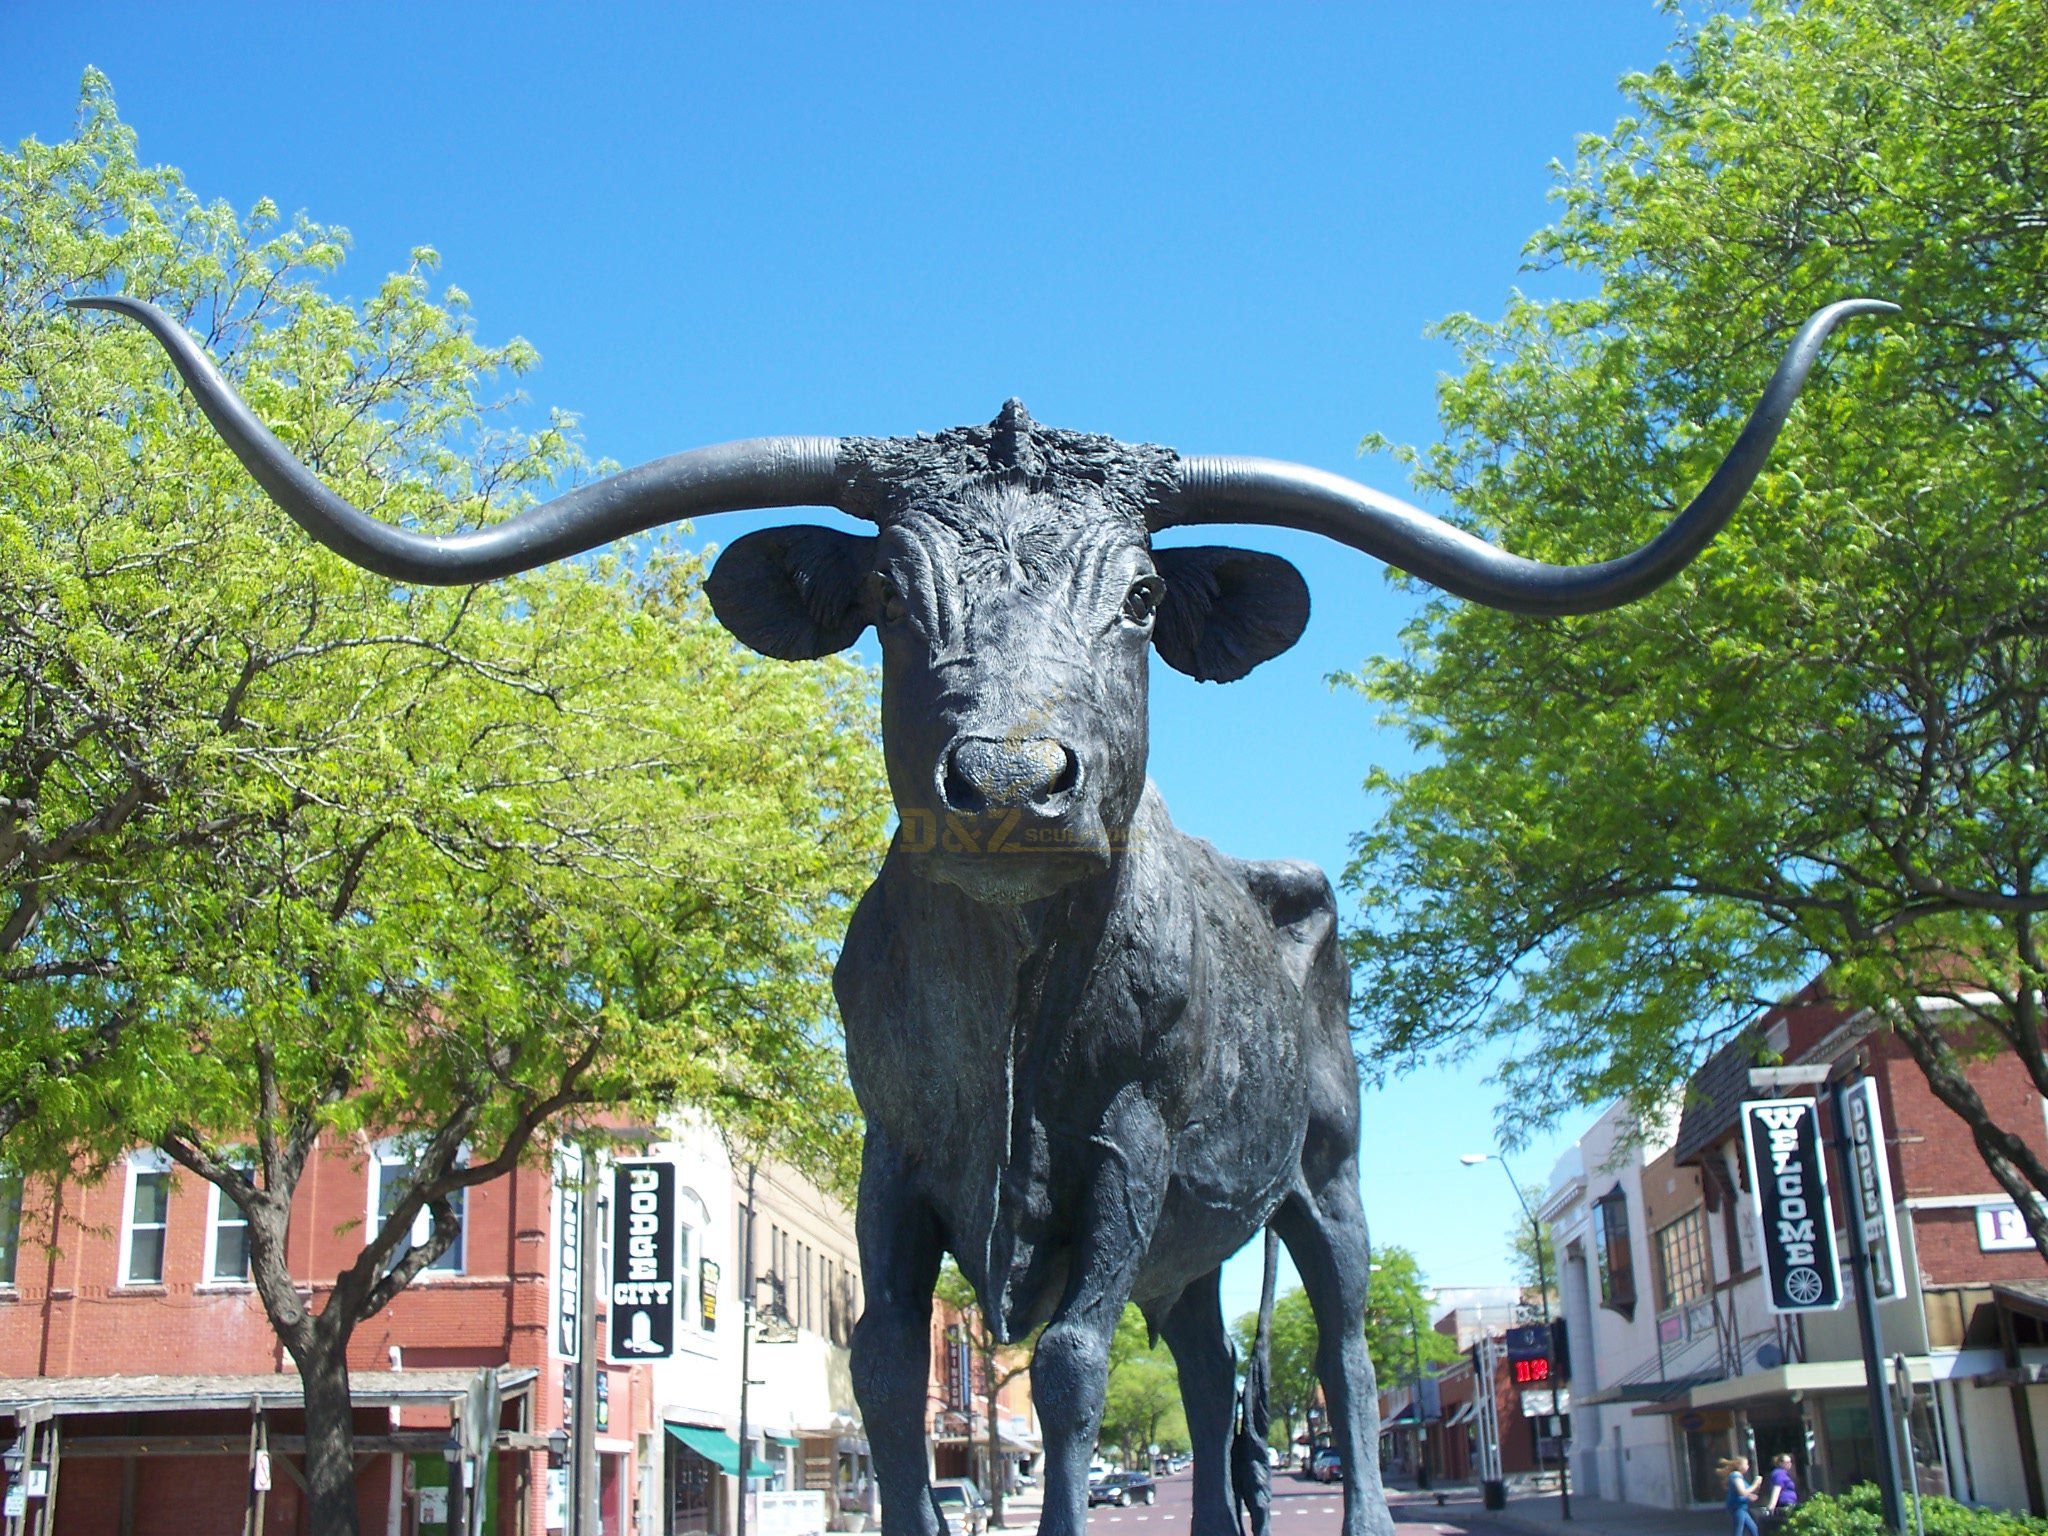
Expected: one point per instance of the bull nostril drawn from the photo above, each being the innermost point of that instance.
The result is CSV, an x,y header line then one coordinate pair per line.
x,y
1069,775
961,793
982,774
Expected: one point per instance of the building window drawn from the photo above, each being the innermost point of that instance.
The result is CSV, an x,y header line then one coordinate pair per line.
x,y
1681,1249
144,1221
227,1239
1617,1259
10,1226
391,1170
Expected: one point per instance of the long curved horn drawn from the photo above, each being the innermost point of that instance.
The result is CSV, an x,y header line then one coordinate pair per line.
x,y
730,477
1235,490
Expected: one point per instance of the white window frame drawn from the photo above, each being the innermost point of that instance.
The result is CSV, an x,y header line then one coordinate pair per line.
x,y
214,1197
143,1160
693,1223
395,1152
21,1202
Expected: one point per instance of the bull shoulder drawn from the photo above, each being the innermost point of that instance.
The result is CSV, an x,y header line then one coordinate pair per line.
x,y
1296,898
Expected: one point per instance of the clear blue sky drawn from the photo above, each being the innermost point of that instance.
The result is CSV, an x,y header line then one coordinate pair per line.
x,y
1220,227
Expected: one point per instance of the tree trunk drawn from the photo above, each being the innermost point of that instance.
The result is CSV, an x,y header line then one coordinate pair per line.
x,y
330,1437
995,1447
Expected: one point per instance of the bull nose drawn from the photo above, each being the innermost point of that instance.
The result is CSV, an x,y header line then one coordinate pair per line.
x,y
982,775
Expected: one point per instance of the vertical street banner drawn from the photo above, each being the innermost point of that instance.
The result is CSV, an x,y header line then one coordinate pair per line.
x,y
643,1277
1870,1187
1795,1223
565,1274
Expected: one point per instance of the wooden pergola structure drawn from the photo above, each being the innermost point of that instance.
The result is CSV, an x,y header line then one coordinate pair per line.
x,y
58,1420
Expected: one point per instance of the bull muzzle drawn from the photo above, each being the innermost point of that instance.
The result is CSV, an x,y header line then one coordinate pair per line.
x,y
979,776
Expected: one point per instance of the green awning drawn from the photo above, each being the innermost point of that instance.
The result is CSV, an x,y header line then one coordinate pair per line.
x,y
718,1448
786,1441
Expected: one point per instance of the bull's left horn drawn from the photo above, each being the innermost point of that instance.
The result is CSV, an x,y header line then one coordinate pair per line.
x,y
729,477
1234,490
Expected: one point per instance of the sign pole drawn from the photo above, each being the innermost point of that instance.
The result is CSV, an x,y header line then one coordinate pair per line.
x,y
583,1483
1882,1436
746,1456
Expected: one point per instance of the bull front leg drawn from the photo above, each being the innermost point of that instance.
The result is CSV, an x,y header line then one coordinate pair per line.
x,y
1070,1370
900,1250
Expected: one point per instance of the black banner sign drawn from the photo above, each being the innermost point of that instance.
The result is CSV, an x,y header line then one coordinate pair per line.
x,y
643,1278
1795,1221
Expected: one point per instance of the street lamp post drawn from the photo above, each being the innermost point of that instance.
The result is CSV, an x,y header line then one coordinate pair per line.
x,y
1564,1460
1415,1393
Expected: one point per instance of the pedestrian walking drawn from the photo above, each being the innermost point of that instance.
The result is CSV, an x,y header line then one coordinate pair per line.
x,y
1784,1488
1741,1494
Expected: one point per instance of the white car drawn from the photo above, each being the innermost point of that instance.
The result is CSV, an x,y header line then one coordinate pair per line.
x,y
961,1504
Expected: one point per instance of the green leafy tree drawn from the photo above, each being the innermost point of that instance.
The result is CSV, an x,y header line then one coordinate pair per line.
x,y
1397,1324
289,856
1397,1335
1532,1256
1823,746
996,1365
1141,1405
1291,1383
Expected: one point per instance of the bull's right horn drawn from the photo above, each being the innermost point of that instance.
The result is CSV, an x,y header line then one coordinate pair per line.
x,y
1234,490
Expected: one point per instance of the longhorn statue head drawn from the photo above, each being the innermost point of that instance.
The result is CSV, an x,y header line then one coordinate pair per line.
x,y
1012,583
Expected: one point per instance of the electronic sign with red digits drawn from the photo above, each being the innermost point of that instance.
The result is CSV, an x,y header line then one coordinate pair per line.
x,y
1530,1373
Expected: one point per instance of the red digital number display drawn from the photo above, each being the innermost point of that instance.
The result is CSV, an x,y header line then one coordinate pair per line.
x,y
1531,1372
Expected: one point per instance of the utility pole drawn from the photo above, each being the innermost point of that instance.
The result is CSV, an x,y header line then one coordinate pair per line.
x,y
583,1519
1415,1393
1883,1434
746,1352
1564,1459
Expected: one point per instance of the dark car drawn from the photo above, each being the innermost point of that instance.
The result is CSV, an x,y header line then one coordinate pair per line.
x,y
1327,1467
1122,1489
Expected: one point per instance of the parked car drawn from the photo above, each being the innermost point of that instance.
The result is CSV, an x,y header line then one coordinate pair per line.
x,y
961,1505
1122,1489
1327,1467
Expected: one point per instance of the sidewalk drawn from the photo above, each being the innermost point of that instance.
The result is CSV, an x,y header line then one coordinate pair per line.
x,y
1538,1514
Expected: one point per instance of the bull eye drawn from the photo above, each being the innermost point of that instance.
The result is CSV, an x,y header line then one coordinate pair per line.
x,y
1143,600
886,598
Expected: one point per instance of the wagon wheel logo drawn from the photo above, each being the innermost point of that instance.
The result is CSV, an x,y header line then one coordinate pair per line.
x,y
1803,1286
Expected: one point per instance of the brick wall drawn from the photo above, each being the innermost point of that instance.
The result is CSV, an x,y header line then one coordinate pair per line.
x,y
69,1314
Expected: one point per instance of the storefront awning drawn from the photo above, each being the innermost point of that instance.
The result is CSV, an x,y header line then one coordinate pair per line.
x,y
718,1448
271,1391
1779,1381
1656,1391
785,1441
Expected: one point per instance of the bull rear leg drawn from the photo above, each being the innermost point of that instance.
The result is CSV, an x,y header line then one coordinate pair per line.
x,y
1193,1330
1070,1369
900,1249
1324,1230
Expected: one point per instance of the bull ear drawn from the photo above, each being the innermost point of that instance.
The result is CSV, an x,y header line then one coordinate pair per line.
x,y
1226,610
792,593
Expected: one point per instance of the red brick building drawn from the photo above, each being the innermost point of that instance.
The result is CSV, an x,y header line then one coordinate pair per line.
x,y
141,1377
956,1398
1440,1425
1677,1359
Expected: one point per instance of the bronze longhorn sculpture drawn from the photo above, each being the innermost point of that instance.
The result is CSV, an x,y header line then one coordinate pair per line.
x,y
1096,1056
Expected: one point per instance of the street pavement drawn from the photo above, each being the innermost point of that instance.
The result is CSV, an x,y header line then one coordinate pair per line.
x,y
1302,1508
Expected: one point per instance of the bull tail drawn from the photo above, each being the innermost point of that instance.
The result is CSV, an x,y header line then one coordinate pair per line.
x,y
1254,1473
